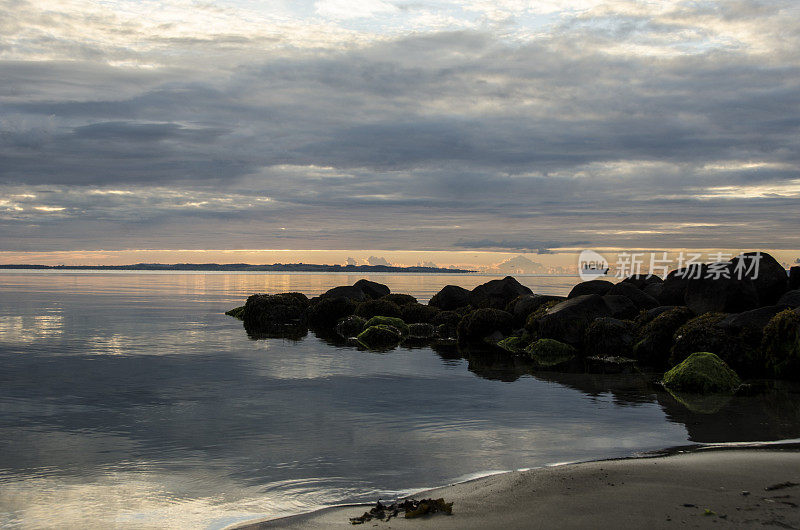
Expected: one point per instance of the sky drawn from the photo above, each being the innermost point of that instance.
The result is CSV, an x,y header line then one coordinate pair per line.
x,y
413,131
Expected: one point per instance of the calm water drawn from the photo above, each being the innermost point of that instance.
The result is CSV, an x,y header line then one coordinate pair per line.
x,y
130,400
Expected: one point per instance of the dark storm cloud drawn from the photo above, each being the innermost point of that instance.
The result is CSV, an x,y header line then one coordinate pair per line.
x,y
442,140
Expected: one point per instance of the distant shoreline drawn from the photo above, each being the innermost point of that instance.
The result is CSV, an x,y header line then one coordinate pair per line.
x,y
241,267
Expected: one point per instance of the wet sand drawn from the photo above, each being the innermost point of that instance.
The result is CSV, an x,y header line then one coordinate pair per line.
x,y
706,489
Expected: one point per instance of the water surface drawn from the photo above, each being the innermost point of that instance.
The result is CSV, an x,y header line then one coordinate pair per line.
x,y
128,399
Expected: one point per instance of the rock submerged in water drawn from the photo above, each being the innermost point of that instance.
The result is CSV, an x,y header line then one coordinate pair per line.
x,y
548,353
702,373
482,323
380,337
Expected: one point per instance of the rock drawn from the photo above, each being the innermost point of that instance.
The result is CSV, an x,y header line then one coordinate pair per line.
x,y
380,337
497,293
396,323
548,353
599,287
522,306
400,299
794,278
532,322
481,323
446,323
450,297
345,291
789,298
654,340
372,289
620,306
645,317
413,313
641,299
372,308
702,373
567,321
610,364
655,290
326,312
727,295
700,334
420,330
640,281
267,311
350,326
609,337
770,282
780,346
753,321
514,344
236,312
674,288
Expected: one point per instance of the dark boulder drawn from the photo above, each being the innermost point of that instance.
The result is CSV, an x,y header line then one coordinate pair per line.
x,y
236,312
482,323
674,288
350,326
620,306
599,287
655,290
567,321
645,317
522,306
707,292
373,308
380,337
753,321
767,275
640,281
790,298
609,337
269,310
638,297
450,297
372,289
345,291
400,299
497,294
326,312
704,333
654,339
413,313
794,278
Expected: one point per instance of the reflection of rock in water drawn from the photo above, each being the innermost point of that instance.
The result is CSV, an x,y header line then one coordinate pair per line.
x,y
773,413
625,389
276,331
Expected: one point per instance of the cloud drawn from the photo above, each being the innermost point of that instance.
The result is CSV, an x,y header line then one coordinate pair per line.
x,y
375,260
599,124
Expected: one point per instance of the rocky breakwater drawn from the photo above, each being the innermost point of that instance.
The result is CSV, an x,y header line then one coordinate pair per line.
x,y
749,322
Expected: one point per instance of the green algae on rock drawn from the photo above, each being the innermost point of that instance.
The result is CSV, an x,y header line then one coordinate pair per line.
x,y
380,336
395,322
702,373
780,346
550,352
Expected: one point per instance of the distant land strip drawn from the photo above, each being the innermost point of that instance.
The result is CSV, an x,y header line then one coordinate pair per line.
x,y
286,267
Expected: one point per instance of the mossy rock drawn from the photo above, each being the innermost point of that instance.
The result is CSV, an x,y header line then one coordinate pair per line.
x,y
414,312
421,330
326,312
699,334
550,352
702,373
532,322
399,299
482,323
654,339
514,344
780,345
381,307
380,337
609,337
236,312
350,326
395,322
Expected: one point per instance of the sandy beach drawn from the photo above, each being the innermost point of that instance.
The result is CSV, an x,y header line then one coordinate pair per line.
x,y
709,488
